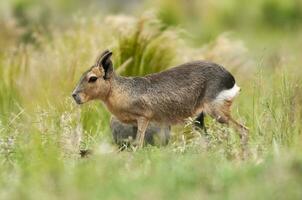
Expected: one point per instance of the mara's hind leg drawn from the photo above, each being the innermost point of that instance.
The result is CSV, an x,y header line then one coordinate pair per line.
x,y
239,125
222,113
243,130
199,121
244,136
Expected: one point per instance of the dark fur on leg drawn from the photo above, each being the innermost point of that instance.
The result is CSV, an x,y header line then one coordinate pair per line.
x,y
199,121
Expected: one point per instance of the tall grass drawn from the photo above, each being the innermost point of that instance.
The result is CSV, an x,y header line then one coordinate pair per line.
x,y
11,66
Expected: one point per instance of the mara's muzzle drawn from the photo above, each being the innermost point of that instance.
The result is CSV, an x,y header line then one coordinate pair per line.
x,y
77,98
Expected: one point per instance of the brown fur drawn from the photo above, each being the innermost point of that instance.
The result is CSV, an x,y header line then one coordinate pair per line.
x,y
167,97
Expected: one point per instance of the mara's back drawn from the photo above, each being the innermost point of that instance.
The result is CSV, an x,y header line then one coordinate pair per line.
x,y
176,93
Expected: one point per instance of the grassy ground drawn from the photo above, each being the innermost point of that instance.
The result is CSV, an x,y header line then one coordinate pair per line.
x,y
42,130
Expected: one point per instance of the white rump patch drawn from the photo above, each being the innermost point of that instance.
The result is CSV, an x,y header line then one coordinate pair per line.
x,y
228,94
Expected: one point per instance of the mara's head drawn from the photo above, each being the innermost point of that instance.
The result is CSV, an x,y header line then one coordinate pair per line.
x,y
95,83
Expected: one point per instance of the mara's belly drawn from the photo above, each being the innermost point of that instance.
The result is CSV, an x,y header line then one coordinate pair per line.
x,y
127,118
174,116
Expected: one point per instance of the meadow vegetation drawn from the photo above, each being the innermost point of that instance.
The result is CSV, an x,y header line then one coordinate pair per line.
x,y
45,47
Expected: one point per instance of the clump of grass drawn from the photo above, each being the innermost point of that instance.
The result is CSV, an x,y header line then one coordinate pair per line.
x,y
231,53
12,66
144,46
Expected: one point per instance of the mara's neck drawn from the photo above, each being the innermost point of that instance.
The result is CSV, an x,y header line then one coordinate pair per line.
x,y
120,83
119,86
119,96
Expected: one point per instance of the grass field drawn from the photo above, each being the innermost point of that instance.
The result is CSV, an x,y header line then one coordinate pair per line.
x,y
42,130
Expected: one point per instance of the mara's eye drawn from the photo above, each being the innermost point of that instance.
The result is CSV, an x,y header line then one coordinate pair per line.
x,y
92,79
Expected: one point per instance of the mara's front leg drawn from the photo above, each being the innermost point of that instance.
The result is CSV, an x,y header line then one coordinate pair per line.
x,y
142,124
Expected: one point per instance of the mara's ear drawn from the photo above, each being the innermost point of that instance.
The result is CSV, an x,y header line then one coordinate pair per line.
x,y
106,63
99,58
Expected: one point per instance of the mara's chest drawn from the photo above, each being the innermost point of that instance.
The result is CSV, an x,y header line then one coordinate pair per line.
x,y
121,107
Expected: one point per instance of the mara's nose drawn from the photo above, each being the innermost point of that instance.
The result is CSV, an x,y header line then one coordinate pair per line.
x,y
74,95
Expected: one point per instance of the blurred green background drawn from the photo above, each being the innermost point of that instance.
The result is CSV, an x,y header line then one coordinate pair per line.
x,y
46,45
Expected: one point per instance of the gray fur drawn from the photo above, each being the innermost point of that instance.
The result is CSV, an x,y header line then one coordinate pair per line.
x,y
123,134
